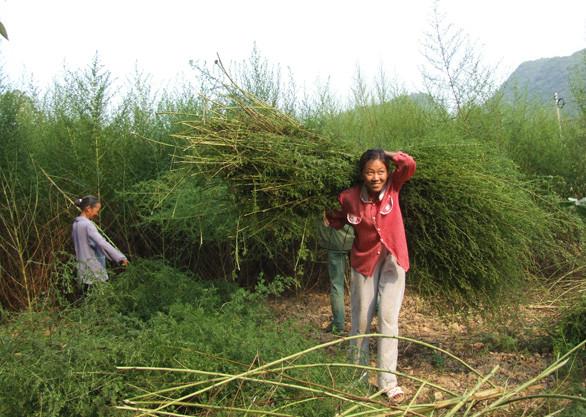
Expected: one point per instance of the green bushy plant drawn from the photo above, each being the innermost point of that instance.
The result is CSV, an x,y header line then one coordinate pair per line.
x,y
190,219
475,226
62,363
152,287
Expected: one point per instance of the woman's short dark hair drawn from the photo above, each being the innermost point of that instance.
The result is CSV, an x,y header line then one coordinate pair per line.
x,y
372,155
87,201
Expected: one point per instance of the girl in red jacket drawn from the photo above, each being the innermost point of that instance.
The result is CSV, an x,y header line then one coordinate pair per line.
x,y
379,256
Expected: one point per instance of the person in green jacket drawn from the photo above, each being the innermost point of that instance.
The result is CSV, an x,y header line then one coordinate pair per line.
x,y
338,243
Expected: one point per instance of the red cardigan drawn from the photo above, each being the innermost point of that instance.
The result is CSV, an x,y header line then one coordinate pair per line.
x,y
376,223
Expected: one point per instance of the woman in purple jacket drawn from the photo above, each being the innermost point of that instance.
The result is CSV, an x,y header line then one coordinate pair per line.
x,y
91,249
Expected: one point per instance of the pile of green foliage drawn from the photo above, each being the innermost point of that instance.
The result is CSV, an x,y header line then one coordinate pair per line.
x,y
250,175
476,227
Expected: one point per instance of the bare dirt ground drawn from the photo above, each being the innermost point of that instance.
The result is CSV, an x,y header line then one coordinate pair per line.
x,y
515,341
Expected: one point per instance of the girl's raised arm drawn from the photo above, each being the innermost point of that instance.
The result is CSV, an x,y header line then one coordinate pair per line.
x,y
404,167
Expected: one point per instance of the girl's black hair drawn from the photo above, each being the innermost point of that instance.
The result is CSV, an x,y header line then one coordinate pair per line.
x,y
372,155
87,201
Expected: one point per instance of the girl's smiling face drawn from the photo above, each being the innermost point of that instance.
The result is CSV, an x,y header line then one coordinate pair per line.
x,y
375,175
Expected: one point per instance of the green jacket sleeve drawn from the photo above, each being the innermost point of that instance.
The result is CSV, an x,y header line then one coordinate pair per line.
x,y
332,239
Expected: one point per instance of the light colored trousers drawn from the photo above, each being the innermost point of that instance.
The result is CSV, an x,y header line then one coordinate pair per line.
x,y
387,286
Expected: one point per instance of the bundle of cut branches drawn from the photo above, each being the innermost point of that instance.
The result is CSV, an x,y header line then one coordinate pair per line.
x,y
282,388
280,174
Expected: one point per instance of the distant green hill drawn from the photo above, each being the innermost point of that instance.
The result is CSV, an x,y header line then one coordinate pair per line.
x,y
541,78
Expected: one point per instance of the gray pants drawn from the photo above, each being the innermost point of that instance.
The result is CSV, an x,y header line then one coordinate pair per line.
x,y
387,285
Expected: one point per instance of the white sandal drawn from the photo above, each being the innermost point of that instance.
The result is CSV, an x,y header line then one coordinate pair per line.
x,y
396,395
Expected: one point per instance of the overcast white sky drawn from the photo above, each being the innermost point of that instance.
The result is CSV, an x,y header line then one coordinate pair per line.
x,y
317,39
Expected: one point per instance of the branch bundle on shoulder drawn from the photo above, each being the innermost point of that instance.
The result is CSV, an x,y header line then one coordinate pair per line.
x,y
279,173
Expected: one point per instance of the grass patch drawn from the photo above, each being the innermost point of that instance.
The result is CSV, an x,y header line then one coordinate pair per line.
x,y
63,363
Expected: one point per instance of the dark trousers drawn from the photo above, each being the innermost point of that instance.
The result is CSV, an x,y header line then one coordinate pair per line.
x,y
337,273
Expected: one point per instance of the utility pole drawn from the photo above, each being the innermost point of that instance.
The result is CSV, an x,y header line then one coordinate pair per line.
x,y
559,103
